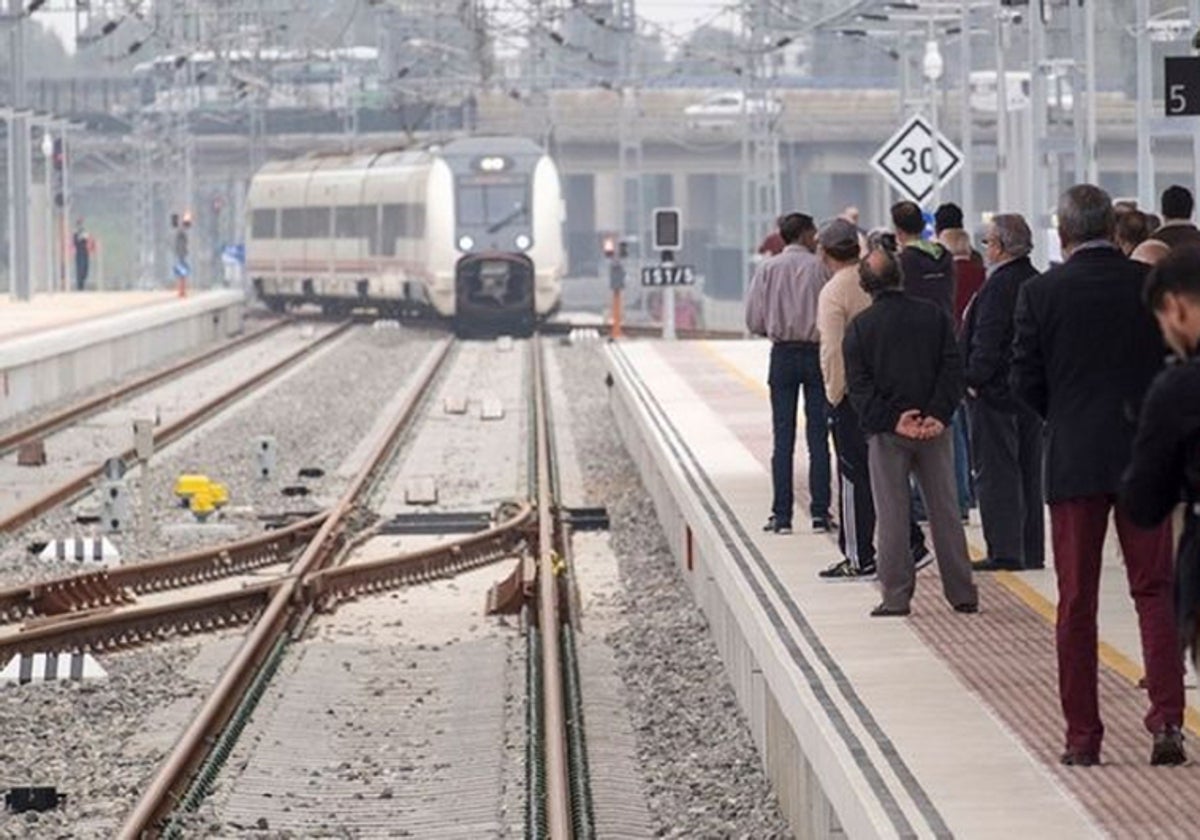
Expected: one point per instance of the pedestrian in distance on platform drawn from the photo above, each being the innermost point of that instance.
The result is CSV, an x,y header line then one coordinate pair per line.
x,y
81,243
782,305
927,266
1132,229
1006,435
1177,229
773,243
839,303
947,219
905,399
1086,349
968,277
1166,451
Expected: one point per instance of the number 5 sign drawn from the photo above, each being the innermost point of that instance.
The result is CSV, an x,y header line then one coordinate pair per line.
x,y
907,160
1182,78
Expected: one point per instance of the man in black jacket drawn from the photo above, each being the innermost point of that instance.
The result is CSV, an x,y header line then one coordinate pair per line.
x,y
927,265
1166,451
1177,228
1086,350
904,378
1006,435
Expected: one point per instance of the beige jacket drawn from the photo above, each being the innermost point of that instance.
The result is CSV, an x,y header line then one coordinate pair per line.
x,y
837,305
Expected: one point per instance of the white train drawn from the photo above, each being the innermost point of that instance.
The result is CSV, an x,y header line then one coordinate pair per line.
x,y
472,231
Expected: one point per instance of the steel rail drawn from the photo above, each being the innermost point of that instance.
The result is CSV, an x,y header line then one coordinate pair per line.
x,y
327,586
554,725
77,485
72,413
286,603
106,629
106,587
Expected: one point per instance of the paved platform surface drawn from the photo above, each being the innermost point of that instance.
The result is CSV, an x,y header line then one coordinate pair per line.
x,y
956,718
60,309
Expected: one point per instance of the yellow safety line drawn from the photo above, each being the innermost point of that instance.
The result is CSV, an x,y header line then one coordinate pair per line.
x,y
1028,595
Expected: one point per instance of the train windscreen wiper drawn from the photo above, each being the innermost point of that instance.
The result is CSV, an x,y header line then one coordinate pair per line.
x,y
515,214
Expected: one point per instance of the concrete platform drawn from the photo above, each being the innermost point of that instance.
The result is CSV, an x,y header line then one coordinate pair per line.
x,y
55,345
940,725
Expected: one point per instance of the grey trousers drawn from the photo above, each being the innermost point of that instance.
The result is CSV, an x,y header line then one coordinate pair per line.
x,y
1007,450
891,459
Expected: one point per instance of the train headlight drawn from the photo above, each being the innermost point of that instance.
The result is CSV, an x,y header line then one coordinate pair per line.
x,y
523,241
465,243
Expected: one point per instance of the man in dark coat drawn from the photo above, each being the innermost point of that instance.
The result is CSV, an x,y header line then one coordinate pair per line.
x,y
1006,435
1177,227
927,265
1085,352
1166,451
904,378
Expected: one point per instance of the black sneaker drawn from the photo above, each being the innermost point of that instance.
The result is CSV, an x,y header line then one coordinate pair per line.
x,y
1168,748
997,564
775,527
922,557
843,570
822,525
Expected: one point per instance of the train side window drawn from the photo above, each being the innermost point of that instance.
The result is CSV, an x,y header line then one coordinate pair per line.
x,y
317,222
262,224
292,223
348,222
394,226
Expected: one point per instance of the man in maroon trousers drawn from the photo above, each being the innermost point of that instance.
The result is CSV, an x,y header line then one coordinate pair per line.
x,y
1085,352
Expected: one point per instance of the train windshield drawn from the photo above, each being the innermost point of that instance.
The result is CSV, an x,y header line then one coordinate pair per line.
x,y
494,204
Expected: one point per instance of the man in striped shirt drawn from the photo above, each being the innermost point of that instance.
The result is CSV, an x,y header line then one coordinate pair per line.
x,y
782,306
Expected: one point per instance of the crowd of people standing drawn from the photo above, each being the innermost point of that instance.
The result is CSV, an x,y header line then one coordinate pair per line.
x,y
974,378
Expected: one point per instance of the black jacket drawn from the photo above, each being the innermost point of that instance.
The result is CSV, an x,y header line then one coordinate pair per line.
x,y
929,274
1086,350
1166,467
987,335
901,354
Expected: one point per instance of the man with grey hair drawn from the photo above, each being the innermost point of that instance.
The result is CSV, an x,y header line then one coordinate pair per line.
x,y
1085,352
904,402
1006,435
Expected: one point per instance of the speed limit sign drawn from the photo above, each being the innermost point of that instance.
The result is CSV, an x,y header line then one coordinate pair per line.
x,y
908,160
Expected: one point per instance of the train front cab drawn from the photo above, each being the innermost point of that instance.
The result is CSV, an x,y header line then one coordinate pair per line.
x,y
494,293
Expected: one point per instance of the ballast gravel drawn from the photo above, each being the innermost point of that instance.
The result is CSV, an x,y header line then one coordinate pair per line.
x,y
317,413
99,741
703,773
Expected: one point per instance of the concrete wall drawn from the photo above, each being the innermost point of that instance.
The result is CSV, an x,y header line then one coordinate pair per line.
x,y
52,364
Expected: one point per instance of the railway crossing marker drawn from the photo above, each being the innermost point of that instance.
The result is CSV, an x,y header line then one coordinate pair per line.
x,y
906,160
25,668
96,549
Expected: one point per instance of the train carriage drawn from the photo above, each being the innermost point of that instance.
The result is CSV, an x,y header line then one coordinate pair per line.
x,y
471,231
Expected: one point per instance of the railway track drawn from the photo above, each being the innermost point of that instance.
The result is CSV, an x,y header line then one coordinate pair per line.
x,y
85,408
81,481
100,611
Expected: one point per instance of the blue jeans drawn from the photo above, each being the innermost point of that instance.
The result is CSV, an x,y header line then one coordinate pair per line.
x,y
796,366
962,460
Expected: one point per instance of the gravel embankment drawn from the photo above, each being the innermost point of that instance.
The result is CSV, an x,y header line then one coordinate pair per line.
x,y
99,741
703,774
318,413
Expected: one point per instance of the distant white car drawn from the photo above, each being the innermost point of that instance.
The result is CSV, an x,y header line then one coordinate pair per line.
x,y
726,109
984,99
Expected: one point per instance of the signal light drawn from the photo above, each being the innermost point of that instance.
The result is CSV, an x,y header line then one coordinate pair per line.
x,y
610,246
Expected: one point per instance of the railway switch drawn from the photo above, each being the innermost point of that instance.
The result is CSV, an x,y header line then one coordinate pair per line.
x,y
266,449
